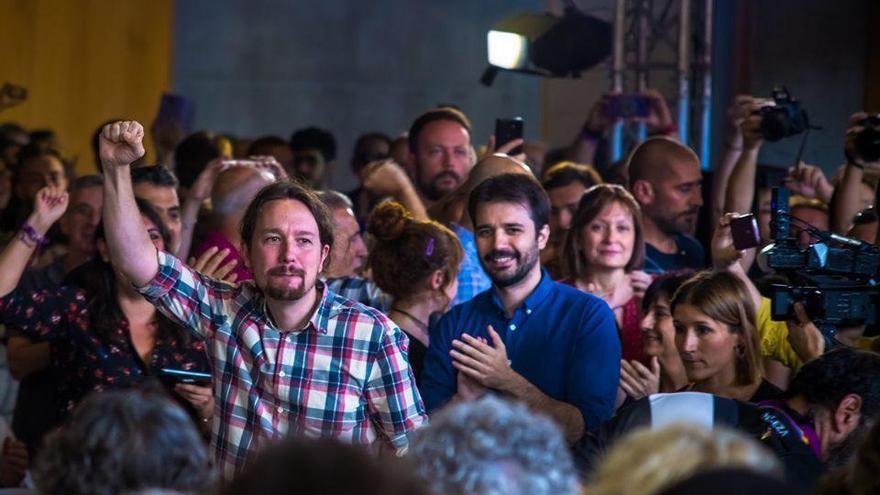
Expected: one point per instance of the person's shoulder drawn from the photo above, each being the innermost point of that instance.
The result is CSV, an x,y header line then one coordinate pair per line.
x,y
342,309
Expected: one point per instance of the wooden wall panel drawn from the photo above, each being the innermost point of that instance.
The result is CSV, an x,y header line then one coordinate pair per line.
x,y
84,62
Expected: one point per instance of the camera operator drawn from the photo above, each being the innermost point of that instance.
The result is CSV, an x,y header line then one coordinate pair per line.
x,y
743,194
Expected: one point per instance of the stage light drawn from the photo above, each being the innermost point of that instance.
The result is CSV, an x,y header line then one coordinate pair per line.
x,y
547,45
508,50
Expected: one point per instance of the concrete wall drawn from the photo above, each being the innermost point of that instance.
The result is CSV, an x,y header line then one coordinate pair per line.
x,y
270,66
818,49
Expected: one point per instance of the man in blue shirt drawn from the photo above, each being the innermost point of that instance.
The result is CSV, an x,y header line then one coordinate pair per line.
x,y
665,178
546,344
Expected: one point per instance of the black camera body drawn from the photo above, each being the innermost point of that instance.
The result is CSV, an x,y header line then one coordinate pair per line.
x,y
784,118
867,142
835,279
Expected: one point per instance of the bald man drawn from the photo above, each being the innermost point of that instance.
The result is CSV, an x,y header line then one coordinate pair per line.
x,y
230,196
451,210
665,178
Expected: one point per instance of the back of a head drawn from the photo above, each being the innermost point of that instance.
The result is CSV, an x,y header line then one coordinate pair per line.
x,y
192,155
235,188
646,461
490,166
407,251
653,156
322,466
121,441
730,481
493,447
826,380
335,200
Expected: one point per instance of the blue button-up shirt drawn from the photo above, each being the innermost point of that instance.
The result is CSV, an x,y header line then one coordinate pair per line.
x,y
560,339
472,279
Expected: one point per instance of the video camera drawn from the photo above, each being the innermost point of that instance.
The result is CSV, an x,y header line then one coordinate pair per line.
x,y
834,279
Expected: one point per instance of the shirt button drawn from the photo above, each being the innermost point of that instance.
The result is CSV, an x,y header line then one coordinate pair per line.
x,y
528,311
280,409
512,327
282,374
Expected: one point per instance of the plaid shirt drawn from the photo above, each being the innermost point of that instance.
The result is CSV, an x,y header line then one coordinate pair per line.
x,y
343,376
361,290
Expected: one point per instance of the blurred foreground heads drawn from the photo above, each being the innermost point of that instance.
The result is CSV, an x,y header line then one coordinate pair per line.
x,y
493,447
122,442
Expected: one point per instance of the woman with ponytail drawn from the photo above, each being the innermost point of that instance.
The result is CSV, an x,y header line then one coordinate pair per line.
x,y
416,262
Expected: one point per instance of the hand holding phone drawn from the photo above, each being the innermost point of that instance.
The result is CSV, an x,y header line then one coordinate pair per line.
x,y
506,130
627,106
185,376
745,232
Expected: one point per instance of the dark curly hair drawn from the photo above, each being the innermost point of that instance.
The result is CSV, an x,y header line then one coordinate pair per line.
x,y
826,380
124,441
407,251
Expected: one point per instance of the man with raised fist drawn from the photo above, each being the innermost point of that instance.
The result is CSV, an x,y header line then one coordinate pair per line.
x,y
290,356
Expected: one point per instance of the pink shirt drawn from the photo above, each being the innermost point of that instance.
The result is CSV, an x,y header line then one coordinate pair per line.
x,y
218,240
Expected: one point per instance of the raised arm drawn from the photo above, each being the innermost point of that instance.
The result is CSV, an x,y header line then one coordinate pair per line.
x,y
733,147
49,205
121,143
846,200
740,191
387,178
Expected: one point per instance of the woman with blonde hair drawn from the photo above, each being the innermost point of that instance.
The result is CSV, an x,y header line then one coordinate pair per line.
x,y
716,338
648,461
416,262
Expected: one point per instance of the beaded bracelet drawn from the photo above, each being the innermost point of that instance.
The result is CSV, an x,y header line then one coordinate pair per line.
x,y
30,237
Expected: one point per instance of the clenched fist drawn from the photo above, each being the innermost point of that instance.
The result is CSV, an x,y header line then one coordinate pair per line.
x,y
121,143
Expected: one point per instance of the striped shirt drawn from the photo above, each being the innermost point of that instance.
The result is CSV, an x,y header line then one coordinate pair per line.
x,y
345,375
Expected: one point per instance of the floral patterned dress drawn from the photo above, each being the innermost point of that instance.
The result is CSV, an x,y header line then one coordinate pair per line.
x,y
86,361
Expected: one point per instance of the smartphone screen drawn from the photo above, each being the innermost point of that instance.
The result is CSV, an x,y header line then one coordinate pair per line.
x,y
627,106
506,130
745,232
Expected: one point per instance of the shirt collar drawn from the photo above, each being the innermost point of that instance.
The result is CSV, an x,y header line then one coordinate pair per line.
x,y
323,310
533,300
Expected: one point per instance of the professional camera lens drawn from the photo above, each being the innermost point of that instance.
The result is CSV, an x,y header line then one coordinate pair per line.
x,y
775,124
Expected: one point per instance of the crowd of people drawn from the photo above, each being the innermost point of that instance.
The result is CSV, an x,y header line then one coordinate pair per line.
x,y
216,319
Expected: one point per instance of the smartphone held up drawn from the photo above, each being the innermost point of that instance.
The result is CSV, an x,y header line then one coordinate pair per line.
x,y
506,130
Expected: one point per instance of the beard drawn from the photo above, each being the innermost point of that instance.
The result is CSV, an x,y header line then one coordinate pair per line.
x,y
281,292
678,223
432,190
843,454
524,264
